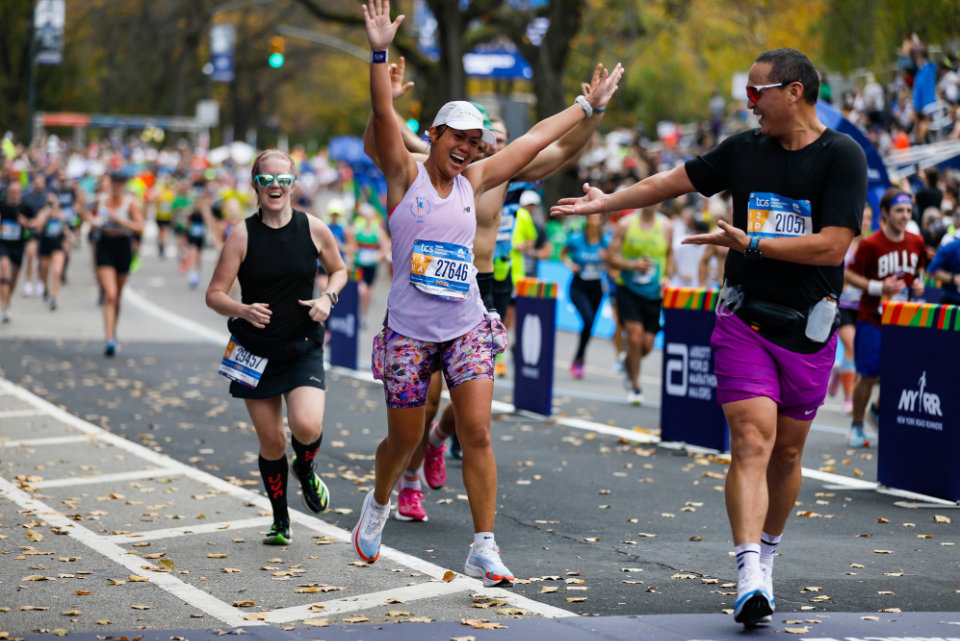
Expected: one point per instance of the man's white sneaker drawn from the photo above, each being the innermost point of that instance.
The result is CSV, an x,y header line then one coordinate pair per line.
x,y
635,397
369,529
754,604
484,562
767,571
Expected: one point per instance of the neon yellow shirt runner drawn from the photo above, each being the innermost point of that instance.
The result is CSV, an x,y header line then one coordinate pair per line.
x,y
644,243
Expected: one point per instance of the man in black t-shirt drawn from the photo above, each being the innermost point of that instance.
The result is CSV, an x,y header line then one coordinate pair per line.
x,y
798,192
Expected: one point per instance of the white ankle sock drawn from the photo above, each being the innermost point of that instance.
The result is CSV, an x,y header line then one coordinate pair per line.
x,y
410,480
436,436
748,560
482,537
768,548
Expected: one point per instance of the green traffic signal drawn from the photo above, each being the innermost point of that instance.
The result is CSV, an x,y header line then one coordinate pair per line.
x,y
275,60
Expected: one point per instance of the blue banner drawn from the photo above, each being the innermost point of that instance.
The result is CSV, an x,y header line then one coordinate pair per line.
x,y
344,326
496,63
222,40
533,353
919,411
689,412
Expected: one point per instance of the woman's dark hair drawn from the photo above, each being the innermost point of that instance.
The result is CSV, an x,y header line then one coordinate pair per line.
x,y
790,65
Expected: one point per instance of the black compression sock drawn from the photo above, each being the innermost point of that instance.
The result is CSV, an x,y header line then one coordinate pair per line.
x,y
305,454
274,475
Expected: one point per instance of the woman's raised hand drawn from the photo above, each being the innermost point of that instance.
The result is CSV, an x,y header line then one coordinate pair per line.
x,y
602,86
380,29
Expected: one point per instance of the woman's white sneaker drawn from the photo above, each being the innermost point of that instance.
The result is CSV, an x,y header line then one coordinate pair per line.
x,y
484,562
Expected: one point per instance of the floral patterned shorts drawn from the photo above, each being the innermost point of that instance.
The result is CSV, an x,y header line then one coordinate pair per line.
x,y
406,364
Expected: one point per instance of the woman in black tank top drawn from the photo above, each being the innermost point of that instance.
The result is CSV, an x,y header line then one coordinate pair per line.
x,y
274,255
117,217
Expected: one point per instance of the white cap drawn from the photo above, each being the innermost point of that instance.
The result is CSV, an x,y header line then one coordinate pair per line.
x,y
460,114
529,197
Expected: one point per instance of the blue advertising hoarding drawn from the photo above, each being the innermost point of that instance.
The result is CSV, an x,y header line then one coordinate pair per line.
x,y
533,354
344,326
919,407
689,412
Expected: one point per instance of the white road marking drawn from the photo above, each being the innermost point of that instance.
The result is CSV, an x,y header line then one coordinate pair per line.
x,y
18,413
167,582
119,477
175,532
174,467
40,442
370,600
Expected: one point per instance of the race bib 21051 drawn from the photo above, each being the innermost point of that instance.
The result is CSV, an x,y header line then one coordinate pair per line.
x,y
771,215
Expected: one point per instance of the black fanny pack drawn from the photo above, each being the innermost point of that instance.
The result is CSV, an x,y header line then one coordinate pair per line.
x,y
771,318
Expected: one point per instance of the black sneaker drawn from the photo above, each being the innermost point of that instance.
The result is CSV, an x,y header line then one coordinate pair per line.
x,y
110,350
316,496
279,534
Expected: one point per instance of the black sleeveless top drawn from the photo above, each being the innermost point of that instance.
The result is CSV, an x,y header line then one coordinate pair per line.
x,y
279,269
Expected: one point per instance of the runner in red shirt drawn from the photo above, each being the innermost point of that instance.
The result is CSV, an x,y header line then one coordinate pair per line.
x,y
888,265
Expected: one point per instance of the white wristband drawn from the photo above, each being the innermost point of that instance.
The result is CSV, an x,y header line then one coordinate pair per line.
x,y
585,104
875,287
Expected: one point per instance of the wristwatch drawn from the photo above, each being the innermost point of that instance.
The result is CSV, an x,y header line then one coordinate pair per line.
x,y
585,105
752,252
334,297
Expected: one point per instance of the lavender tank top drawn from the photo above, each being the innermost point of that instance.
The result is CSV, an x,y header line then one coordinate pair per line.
x,y
442,231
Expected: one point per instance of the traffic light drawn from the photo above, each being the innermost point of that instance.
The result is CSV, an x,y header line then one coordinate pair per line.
x,y
276,52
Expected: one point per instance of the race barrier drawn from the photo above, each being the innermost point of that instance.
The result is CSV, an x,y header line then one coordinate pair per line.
x,y
344,327
919,405
533,348
689,412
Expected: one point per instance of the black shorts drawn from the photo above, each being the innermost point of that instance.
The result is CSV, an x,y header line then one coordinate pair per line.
x,y
50,244
485,285
368,273
196,241
632,308
164,222
116,252
502,295
12,249
848,316
280,378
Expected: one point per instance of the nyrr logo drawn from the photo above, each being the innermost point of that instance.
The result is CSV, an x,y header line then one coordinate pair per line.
x,y
919,401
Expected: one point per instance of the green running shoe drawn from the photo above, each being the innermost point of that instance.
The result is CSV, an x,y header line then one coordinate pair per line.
x,y
316,496
279,534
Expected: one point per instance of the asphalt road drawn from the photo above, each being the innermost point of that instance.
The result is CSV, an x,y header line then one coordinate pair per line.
x,y
594,515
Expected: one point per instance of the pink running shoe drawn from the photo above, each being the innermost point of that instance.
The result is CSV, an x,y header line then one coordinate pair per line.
x,y
434,467
848,405
410,505
576,369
